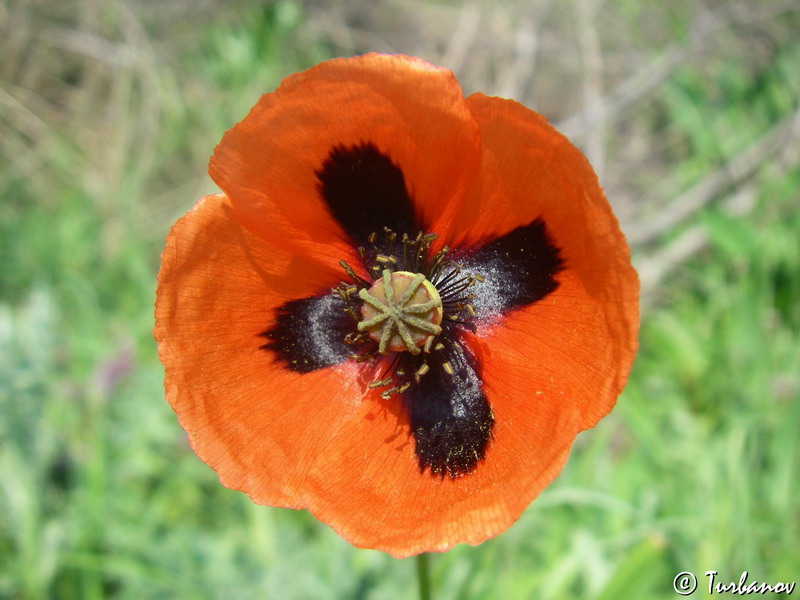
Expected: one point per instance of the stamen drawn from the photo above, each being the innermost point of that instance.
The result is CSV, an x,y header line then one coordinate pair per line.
x,y
379,383
441,284
437,262
351,273
354,338
360,358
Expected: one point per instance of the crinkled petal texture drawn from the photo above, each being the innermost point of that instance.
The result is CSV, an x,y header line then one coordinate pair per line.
x,y
410,109
323,440
580,341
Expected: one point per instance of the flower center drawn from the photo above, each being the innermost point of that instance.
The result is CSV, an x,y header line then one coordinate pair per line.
x,y
401,311
412,309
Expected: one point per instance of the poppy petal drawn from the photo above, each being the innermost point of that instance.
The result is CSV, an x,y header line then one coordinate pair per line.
x,y
369,487
517,269
451,420
257,423
354,180
583,335
308,334
409,110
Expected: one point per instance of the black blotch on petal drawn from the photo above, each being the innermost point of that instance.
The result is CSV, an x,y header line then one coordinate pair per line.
x,y
451,420
365,192
308,334
519,268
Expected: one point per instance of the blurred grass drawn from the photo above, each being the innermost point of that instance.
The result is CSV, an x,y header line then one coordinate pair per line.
x,y
109,112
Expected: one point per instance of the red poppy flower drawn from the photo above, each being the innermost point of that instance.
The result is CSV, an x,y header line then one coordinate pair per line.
x,y
401,311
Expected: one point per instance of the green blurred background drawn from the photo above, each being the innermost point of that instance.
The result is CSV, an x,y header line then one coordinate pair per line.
x,y
690,112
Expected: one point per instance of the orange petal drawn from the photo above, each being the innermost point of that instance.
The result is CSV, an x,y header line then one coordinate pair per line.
x,y
412,111
582,338
369,487
259,425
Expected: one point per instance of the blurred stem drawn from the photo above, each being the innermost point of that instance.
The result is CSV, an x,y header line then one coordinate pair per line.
x,y
423,577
